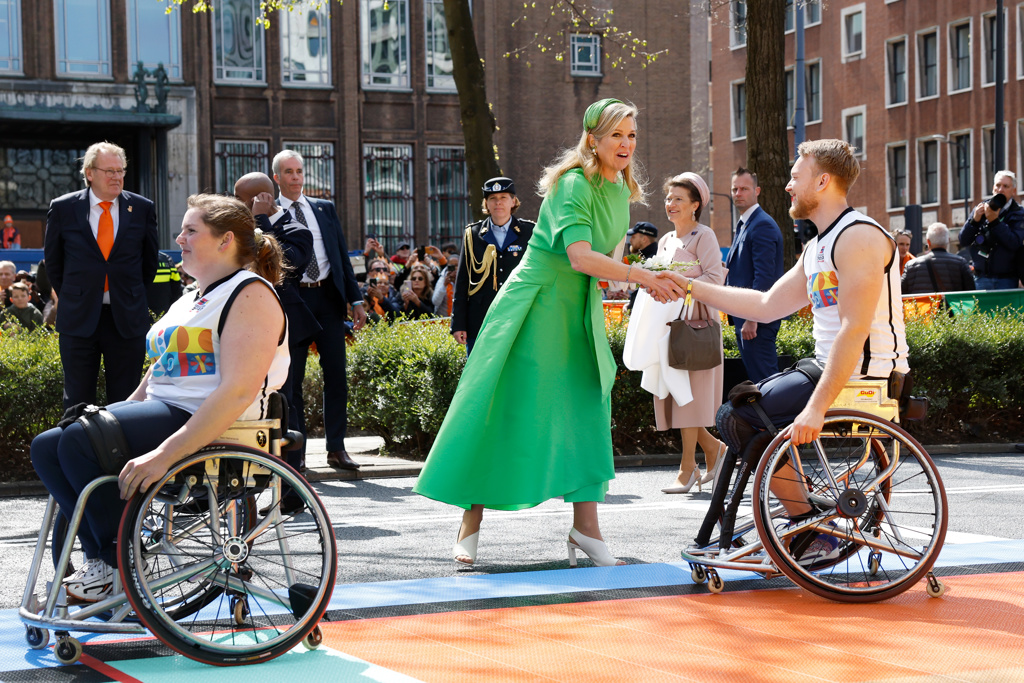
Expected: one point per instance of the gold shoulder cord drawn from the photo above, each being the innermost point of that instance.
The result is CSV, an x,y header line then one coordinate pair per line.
x,y
481,267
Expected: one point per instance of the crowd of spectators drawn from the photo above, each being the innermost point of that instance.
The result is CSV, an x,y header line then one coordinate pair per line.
x,y
412,283
26,300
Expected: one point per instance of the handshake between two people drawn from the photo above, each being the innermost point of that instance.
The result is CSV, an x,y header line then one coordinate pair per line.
x,y
664,286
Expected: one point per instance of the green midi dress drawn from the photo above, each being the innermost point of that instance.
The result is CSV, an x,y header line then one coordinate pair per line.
x,y
531,418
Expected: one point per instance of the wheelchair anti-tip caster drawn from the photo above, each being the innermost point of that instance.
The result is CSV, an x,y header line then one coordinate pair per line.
x,y
934,587
715,583
37,638
698,573
314,639
874,562
239,610
68,650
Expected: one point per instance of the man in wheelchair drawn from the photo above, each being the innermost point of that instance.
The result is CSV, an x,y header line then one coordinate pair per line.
x,y
849,275
217,356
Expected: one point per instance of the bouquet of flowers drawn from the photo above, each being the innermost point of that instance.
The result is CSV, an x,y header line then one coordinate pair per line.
x,y
660,262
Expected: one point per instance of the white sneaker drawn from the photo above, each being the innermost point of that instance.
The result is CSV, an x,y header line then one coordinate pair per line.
x,y
93,581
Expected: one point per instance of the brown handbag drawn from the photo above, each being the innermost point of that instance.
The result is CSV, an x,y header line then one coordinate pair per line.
x,y
694,344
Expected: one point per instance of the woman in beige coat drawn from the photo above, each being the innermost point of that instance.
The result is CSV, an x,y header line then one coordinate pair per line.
x,y
686,196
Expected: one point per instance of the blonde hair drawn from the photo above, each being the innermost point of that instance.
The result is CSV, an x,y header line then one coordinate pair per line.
x,y
835,157
256,251
98,148
581,157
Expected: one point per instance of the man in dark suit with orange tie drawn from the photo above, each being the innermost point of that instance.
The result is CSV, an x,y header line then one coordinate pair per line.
x,y
328,286
101,252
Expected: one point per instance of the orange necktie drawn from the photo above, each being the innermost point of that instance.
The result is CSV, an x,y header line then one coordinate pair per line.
x,y
105,236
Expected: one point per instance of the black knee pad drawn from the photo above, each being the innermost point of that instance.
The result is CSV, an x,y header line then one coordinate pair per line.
x,y
735,431
107,438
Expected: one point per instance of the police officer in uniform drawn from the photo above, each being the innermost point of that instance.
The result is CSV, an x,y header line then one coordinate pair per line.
x,y
491,249
165,288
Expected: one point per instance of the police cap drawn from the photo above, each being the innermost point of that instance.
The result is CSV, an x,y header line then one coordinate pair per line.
x,y
496,185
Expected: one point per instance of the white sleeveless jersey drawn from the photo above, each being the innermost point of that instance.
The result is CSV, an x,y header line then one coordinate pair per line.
x,y
886,347
185,347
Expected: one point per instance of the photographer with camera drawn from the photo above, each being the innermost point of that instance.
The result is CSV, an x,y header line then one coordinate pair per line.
x,y
994,234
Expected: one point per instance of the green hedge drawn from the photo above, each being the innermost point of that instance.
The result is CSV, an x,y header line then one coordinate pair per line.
x,y
402,379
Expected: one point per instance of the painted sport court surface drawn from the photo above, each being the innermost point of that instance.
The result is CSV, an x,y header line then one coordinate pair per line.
x,y
641,622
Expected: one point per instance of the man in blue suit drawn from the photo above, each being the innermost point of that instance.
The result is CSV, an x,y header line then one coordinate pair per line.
x,y
328,286
754,262
101,252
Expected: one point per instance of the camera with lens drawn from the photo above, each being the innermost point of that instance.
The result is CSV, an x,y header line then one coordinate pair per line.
x,y
983,239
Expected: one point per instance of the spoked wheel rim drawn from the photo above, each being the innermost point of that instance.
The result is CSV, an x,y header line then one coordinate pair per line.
x,y
211,557
884,496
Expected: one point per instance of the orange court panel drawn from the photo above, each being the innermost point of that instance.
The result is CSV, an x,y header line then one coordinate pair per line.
x,y
974,633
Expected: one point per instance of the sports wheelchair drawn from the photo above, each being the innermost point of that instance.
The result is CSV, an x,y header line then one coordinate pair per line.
x,y
879,510
197,566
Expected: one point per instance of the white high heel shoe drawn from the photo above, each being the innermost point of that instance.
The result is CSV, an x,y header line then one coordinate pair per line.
x,y
695,478
712,473
596,550
466,548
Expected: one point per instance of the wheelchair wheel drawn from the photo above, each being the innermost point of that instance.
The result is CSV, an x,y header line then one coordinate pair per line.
x,y
879,509
188,563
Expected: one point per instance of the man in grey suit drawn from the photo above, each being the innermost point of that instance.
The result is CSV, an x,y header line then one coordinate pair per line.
x,y
754,262
327,286
101,252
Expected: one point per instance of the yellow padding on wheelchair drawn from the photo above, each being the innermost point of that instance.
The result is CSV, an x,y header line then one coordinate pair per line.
x,y
869,396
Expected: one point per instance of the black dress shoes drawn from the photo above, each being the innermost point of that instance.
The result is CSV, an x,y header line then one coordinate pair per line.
x,y
290,505
342,460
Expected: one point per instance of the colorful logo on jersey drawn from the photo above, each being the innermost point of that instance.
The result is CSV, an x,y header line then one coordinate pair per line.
x,y
182,351
823,289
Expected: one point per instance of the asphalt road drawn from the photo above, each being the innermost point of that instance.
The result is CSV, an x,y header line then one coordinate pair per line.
x,y
385,532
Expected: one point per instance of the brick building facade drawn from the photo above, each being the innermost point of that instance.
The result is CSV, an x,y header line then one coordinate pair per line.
x,y
908,82
363,89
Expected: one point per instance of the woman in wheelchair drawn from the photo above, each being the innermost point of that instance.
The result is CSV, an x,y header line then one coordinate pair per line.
x,y
217,355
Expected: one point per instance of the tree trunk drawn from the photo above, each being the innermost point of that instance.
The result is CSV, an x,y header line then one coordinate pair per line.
x,y
478,124
767,139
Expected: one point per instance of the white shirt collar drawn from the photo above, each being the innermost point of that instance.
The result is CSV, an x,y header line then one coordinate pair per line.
x,y
748,213
94,200
287,203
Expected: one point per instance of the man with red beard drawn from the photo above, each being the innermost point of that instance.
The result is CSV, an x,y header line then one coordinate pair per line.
x,y
849,273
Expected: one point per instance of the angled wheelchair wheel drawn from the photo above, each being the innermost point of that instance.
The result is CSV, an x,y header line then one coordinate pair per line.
x,y
879,509
191,550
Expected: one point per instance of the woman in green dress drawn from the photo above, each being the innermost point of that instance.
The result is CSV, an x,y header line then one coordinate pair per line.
x,y
543,356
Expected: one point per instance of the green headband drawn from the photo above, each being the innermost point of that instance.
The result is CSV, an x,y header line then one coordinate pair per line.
x,y
594,111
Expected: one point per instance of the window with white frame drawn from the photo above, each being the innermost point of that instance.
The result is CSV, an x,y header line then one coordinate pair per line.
x,y
988,48
812,12
897,172
439,52
960,56
928,171
896,71
238,42
305,47
154,37
232,159
317,168
1020,41
960,166
83,37
853,32
988,155
584,54
790,97
739,110
853,128
447,193
384,43
10,36
738,23
812,91
928,64
388,193
790,15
